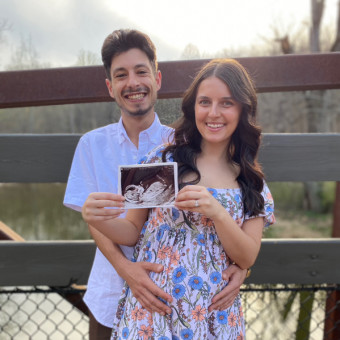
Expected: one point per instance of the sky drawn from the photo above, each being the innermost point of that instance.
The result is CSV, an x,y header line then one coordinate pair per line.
x,y
59,29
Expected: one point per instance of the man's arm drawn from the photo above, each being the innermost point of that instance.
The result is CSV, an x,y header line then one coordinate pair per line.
x,y
136,274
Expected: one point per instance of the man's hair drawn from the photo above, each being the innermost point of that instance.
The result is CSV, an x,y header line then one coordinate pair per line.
x,y
121,41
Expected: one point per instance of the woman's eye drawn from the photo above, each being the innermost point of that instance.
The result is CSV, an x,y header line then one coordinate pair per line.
x,y
204,102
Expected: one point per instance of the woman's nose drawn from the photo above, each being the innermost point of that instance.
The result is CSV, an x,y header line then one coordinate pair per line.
x,y
213,112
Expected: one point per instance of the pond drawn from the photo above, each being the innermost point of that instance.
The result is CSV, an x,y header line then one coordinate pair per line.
x,y
36,212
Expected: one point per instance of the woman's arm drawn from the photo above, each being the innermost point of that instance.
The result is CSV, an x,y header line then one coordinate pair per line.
x,y
123,231
241,244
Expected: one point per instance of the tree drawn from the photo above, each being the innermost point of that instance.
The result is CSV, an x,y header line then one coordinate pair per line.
x,y
4,26
25,57
318,118
191,51
86,58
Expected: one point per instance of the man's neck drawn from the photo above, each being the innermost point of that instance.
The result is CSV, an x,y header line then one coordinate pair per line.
x,y
134,125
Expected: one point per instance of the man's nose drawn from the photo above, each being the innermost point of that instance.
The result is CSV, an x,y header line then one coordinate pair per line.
x,y
133,80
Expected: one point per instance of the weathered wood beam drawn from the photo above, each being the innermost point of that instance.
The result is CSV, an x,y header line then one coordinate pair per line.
x,y
285,157
86,84
61,263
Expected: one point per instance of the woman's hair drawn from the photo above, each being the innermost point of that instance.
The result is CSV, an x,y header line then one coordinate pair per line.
x,y
244,142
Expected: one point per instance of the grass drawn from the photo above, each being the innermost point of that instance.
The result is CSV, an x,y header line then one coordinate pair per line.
x,y
300,224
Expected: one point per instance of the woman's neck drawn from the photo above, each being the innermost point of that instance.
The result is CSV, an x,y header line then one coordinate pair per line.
x,y
215,169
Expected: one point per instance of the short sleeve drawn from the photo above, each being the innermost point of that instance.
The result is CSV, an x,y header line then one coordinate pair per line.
x,y
155,155
81,181
268,209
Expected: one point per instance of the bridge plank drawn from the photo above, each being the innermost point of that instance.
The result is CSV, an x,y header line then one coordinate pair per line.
x,y
71,84
285,157
60,263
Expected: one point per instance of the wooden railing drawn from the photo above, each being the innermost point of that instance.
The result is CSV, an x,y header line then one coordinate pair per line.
x,y
285,157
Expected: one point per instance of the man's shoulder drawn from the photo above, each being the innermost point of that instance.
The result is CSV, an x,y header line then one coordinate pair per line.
x,y
102,131
166,132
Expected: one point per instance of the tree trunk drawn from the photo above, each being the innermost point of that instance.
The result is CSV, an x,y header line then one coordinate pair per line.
x,y
314,104
336,45
317,11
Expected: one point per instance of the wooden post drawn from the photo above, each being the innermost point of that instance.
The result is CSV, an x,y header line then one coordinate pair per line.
x,y
6,233
332,317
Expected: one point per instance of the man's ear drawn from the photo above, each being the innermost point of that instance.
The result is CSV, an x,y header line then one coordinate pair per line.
x,y
109,87
158,80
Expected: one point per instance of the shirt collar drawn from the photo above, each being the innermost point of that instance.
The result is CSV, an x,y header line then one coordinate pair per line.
x,y
152,131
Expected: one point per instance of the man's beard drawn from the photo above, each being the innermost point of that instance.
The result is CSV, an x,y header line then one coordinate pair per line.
x,y
139,112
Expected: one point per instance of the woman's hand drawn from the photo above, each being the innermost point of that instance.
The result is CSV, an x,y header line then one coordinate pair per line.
x,y
95,207
198,198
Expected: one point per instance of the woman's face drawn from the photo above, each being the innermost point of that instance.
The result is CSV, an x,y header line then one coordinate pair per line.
x,y
216,113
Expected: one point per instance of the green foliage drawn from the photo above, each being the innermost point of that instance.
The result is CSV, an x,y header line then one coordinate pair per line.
x,y
290,196
72,118
168,110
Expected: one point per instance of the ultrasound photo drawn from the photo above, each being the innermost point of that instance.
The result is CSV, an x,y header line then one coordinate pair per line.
x,y
148,185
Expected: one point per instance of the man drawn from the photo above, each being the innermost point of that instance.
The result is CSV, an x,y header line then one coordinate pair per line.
x,y
133,80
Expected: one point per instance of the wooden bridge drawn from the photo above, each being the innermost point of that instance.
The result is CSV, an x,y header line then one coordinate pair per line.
x,y
285,157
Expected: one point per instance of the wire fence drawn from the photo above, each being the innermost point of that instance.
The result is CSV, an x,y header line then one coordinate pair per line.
x,y
271,312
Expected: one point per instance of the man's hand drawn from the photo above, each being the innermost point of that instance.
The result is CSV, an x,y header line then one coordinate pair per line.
x,y
143,289
225,298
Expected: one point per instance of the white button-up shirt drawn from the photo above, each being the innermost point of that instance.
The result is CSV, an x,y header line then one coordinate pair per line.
x,y
95,169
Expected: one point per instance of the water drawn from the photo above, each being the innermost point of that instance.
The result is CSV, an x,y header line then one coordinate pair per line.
x,y
35,211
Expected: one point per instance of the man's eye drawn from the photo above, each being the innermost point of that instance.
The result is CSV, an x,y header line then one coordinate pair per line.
x,y
120,75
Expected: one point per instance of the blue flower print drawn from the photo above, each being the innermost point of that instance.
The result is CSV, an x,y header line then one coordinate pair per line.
x,y
213,192
174,337
215,277
212,237
142,161
222,317
159,152
161,230
187,334
175,214
178,291
200,239
163,338
148,256
179,274
196,282
125,333
237,198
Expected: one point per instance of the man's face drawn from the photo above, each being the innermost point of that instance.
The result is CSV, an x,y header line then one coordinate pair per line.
x,y
133,83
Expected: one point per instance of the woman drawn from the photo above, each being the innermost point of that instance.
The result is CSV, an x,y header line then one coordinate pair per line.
x,y
219,213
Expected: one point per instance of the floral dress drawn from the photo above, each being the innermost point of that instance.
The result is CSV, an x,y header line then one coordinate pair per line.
x,y
188,247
